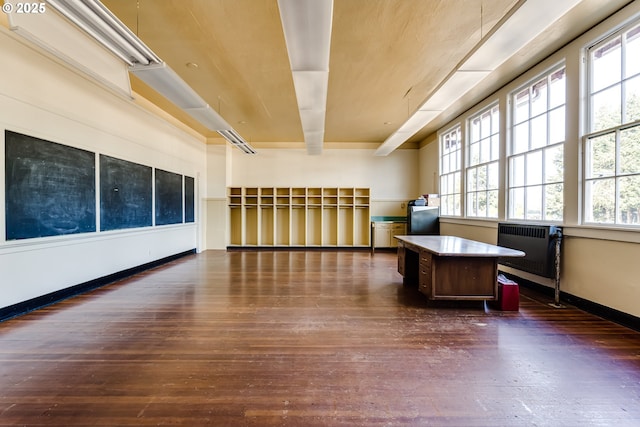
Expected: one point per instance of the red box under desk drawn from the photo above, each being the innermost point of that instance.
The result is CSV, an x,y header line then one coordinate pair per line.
x,y
508,297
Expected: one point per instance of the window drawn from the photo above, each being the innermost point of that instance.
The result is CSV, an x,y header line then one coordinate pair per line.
x,y
612,147
536,152
450,167
483,152
614,90
612,177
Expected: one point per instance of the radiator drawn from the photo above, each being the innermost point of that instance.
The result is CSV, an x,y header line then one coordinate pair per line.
x,y
538,242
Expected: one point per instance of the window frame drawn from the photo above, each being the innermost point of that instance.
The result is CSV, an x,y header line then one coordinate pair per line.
x,y
451,198
592,133
544,184
622,81
493,160
617,175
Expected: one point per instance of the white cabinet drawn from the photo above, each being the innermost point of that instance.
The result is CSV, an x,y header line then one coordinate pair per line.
x,y
384,232
381,235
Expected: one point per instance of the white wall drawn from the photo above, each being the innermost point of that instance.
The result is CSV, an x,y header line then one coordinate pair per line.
x,y
41,98
392,179
389,177
216,197
598,263
429,167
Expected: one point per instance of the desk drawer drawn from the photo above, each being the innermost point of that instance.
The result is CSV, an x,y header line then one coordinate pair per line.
x,y
424,273
424,282
425,259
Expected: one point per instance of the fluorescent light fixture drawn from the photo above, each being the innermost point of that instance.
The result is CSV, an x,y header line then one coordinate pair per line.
x,y
526,23
164,80
53,34
314,150
314,142
417,121
312,120
513,33
208,117
315,137
307,32
311,89
96,20
394,141
452,89
236,140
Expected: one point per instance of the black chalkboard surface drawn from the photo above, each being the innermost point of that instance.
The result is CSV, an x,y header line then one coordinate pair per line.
x,y
125,194
189,201
49,188
168,197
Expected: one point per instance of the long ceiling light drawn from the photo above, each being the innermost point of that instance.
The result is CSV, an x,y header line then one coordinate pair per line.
x,y
95,19
307,32
515,31
236,140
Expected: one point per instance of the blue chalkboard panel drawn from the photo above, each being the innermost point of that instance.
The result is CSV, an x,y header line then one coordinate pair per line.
x,y
125,194
168,197
49,188
189,200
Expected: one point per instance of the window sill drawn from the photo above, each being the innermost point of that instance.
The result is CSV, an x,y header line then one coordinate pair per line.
x,y
616,234
591,231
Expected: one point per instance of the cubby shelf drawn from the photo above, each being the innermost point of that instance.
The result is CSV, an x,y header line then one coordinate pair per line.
x,y
298,216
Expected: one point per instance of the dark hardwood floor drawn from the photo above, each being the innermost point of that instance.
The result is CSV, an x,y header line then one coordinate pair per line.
x,y
309,339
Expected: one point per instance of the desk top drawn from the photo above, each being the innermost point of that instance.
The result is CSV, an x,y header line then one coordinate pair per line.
x,y
457,246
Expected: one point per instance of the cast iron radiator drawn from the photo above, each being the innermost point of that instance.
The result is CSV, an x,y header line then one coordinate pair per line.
x,y
538,242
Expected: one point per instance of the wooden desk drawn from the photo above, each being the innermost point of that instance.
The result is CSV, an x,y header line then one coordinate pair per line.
x,y
451,268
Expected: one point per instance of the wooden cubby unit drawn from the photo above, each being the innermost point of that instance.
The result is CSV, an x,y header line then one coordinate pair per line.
x,y
314,225
299,216
251,197
330,226
235,197
266,197
314,197
251,229
235,228
283,226
345,226
361,226
298,197
267,225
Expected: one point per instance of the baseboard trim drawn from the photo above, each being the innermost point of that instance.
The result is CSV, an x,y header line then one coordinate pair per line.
x,y
608,313
45,300
299,248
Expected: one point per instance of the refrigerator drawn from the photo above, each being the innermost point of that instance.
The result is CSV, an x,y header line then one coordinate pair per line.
x,y
423,219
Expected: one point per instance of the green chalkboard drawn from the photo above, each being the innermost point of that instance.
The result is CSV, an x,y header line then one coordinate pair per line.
x,y
49,188
189,199
126,194
168,197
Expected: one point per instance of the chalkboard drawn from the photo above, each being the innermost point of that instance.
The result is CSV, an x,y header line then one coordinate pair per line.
x,y
125,194
189,201
49,188
168,197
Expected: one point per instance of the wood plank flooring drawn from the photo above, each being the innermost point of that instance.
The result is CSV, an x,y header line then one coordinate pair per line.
x,y
309,339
